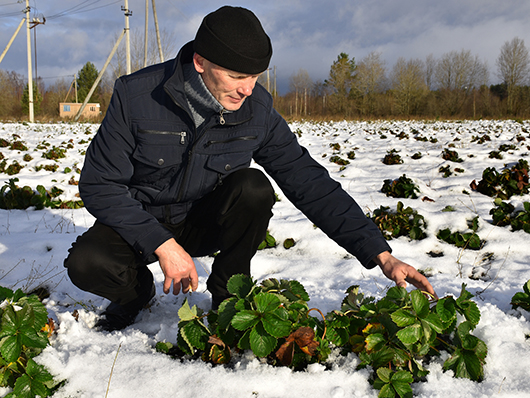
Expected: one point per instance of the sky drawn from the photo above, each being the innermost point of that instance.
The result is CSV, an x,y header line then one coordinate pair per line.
x,y
306,34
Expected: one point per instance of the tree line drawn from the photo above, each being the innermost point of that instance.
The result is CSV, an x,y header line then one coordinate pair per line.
x,y
452,86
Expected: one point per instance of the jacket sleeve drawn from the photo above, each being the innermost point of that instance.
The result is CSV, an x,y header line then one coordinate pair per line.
x,y
308,185
104,180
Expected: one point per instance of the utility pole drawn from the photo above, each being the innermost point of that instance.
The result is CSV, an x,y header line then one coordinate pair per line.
x,y
80,112
128,13
146,31
157,33
275,92
30,77
12,39
34,23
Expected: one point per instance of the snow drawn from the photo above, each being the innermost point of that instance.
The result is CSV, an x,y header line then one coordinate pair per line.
x,y
34,243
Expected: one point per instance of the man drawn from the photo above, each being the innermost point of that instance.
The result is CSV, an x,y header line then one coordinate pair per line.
x,y
167,176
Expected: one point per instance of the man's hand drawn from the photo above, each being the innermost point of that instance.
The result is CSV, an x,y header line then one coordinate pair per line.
x,y
177,266
401,273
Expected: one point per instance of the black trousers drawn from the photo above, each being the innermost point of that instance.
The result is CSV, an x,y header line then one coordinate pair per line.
x,y
231,220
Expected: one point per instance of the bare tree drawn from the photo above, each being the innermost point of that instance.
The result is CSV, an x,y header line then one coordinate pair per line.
x,y
458,74
369,82
11,90
513,66
408,85
430,68
60,91
300,84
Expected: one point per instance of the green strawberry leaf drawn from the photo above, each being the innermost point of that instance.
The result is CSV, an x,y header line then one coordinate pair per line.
x,y
266,302
187,313
403,318
387,391
196,334
375,342
420,303
445,308
434,321
245,319
275,325
384,374
240,285
410,334
261,342
11,347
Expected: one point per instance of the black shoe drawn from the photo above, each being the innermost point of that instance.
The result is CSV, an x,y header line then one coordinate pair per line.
x,y
118,317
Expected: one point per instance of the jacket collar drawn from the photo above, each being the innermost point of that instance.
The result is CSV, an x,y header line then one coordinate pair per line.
x,y
174,86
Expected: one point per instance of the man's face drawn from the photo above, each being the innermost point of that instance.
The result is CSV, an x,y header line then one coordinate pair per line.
x,y
228,87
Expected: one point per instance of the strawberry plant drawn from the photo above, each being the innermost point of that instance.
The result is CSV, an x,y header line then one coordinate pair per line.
x,y
522,299
392,157
21,339
505,214
521,220
507,147
54,153
466,240
14,197
402,222
338,160
480,140
13,168
513,181
495,155
446,170
394,336
452,156
501,214
288,243
268,242
403,187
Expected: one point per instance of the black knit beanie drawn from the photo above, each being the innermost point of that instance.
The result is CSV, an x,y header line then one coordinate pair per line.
x,y
232,37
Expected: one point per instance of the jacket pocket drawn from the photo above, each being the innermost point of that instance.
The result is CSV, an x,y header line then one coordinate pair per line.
x,y
156,164
229,162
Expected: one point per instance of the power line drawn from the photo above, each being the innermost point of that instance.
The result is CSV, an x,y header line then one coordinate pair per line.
x,y
8,4
11,14
83,7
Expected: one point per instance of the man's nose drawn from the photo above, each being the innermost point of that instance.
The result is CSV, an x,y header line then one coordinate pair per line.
x,y
246,88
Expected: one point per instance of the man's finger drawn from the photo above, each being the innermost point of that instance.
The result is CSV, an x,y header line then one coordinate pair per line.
x,y
167,284
421,282
185,285
176,286
194,283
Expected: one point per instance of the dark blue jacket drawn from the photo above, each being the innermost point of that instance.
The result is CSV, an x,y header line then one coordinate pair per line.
x,y
147,164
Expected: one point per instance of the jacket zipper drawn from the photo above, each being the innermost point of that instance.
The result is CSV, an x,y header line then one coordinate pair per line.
x,y
244,138
190,152
182,134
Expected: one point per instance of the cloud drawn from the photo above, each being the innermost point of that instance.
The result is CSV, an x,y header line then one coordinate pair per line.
x,y
307,34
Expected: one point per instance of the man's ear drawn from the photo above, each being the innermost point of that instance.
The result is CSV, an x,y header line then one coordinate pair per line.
x,y
198,62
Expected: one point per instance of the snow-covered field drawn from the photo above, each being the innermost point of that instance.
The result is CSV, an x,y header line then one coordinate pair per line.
x,y
33,244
